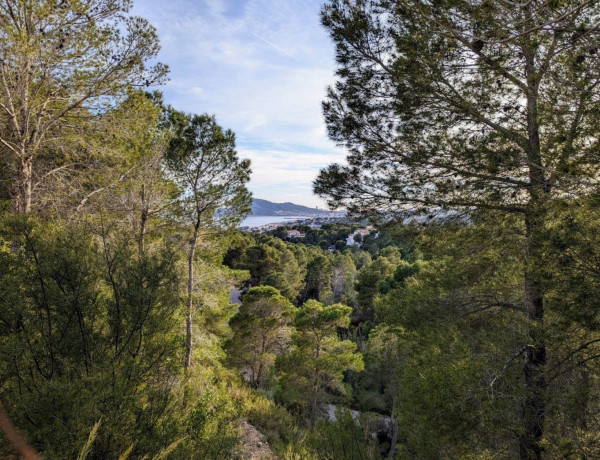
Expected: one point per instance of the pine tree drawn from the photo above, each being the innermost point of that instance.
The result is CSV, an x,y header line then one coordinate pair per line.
x,y
62,63
212,181
319,359
462,105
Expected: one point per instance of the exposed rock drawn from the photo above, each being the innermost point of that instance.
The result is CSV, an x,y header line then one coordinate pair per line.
x,y
331,413
254,445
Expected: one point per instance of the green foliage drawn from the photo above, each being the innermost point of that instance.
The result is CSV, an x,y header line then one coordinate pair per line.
x,y
280,282
262,331
571,275
341,285
204,162
272,420
452,360
385,356
274,263
469,107
60,77
346,438
319,357
368,284
318,275
91,328
237,245
212,427
424,129
479,320
261,260
88,328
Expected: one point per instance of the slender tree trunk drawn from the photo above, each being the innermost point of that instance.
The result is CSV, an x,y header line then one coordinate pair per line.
x,y
394,428
314,397
260,370
258,376
313,406
534,404
23,185
22,135
338,284
143,221
190,294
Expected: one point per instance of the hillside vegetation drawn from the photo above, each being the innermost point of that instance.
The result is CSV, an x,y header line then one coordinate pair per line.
x,y
464,325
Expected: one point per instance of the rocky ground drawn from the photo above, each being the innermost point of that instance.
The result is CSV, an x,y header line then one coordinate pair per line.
x,y
255,445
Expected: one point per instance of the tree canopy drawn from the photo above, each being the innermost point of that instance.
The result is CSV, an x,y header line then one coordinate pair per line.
x,y
62,64
460,106
461,103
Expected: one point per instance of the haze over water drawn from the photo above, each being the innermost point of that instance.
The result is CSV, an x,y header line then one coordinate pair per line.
x,y
257,221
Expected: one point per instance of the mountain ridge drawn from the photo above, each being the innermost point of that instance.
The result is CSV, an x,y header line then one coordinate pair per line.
x,y
261,207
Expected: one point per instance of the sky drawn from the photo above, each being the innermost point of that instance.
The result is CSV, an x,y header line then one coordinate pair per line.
x,y
262,67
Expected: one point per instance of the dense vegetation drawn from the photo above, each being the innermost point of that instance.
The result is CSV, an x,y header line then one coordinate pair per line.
x,y
486,109
465,325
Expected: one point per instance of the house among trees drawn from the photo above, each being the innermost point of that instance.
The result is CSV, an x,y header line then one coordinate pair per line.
x,y
356,238
295,234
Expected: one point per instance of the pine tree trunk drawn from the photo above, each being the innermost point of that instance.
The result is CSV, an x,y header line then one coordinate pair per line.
x,y
313,407
394,428
190,295
143,222
314,397
534,405
21,118
24,185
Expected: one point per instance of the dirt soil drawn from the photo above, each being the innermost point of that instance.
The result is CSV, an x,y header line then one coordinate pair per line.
x,y
255,445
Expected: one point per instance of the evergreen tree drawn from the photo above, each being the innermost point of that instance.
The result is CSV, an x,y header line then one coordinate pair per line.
x,y
62,63
88,329
318,274
212,181
462,105
319,359
262,331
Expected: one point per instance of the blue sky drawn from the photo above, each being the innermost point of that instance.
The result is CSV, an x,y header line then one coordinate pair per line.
x,y
262,67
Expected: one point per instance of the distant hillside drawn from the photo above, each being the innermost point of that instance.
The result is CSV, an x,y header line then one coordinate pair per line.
x,y
267,208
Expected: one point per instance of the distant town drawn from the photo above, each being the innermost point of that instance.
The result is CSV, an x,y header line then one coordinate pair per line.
x,y
313,222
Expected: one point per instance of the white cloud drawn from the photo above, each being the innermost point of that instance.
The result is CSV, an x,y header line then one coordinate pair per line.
x,y
261,66
274,167
284,175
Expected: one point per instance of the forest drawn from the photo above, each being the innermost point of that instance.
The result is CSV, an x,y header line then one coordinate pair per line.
x,y
463,326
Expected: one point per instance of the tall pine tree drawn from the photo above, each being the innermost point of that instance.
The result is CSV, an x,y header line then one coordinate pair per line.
x,y
463,105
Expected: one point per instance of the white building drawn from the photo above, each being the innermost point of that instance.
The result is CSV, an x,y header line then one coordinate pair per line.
x,y
295,234
362,232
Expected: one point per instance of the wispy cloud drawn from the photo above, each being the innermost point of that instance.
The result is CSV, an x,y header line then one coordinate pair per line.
x,y
262,67
282,51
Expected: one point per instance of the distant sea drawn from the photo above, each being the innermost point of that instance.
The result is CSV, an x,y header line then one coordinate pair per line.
x,y
258,221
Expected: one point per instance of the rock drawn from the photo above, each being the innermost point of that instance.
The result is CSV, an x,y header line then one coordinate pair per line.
x,y
254,444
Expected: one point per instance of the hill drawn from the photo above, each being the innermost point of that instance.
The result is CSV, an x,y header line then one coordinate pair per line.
x,y
268,208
